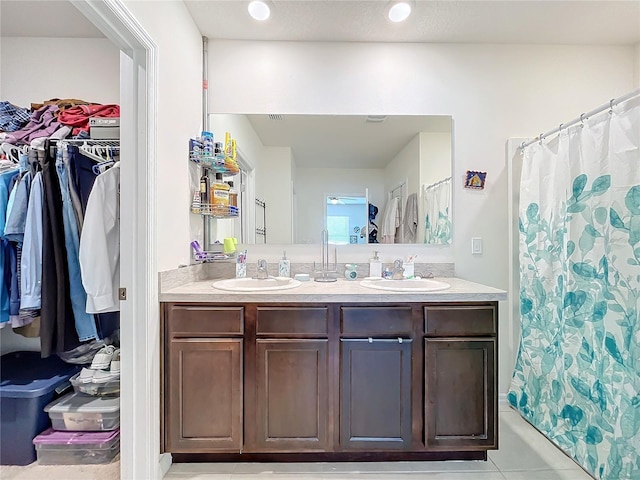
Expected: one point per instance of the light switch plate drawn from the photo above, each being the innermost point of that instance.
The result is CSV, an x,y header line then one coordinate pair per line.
x,y
476,246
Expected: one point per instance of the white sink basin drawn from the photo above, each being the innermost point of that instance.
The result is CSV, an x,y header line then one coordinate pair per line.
x,y
406,285
256,285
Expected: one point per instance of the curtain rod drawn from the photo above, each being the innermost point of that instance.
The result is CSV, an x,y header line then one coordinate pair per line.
x,y
613,102
427,187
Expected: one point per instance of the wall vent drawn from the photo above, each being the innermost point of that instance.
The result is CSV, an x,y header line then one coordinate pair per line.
x,y
376,118
275,117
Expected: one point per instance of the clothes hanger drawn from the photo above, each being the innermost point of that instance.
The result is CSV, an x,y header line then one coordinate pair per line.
x,y
11,151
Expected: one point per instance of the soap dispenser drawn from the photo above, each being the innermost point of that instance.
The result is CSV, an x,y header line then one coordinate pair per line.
x,y
375,266
284,267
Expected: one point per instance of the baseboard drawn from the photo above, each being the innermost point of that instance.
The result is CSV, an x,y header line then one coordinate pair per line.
x,y
164,464
502,400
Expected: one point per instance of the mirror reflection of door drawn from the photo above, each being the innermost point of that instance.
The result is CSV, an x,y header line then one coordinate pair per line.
x,y
346,219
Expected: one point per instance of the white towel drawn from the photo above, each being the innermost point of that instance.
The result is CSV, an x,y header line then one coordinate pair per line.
x,y
410,220
390,221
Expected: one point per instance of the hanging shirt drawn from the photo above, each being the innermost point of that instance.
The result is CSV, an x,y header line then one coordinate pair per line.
x,y
31,261
390,221
100,243
5,180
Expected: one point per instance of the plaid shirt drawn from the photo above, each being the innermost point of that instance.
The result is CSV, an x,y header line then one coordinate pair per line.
x,y
13,118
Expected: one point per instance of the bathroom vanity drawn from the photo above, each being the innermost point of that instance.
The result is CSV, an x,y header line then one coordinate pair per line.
x,y
329,372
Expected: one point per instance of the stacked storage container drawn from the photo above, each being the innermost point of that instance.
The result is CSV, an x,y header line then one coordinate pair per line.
x,y
85,425
85,430
27,384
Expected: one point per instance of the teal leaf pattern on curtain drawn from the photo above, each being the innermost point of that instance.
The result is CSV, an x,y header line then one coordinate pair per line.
x,y
437,220
577,373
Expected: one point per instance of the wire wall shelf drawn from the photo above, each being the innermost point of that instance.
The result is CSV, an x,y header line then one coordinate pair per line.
x,y
218,211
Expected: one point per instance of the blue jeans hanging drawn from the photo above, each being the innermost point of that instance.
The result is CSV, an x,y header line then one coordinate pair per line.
x,y
85,323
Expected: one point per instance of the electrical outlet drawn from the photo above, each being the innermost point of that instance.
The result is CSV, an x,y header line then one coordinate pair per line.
x,y
476,246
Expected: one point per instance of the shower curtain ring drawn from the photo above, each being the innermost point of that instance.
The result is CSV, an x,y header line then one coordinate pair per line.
x,y
560,128
540,138
611,106
582,119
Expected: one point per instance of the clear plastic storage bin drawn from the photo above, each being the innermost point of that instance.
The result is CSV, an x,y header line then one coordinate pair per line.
x,y
81,412
74,448
109,388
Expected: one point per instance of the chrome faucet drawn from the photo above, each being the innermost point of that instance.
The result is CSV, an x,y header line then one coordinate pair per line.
x,y
398,270
262,269
326,275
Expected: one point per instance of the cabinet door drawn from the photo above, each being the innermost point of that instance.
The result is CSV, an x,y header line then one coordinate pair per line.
x,y
375,394
292,395
204,396
460,406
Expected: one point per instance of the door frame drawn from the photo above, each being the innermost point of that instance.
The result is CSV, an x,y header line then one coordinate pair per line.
x,y
140,378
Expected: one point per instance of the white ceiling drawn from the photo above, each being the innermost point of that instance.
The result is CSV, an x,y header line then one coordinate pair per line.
x,y
344,141
45,18
445,21
604,22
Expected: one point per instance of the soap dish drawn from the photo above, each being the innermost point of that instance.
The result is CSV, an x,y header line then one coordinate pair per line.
x,y
302,277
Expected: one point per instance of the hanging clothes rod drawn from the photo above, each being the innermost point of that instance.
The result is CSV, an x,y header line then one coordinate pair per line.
x,y
612,103
440,182
89,141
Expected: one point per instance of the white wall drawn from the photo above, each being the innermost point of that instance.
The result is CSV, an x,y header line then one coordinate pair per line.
x,y
637,66
493,92
435,157
179,117
313,184
274,186
32,69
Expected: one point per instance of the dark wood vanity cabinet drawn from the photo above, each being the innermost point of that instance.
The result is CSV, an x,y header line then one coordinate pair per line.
x,y
375,377
375,394
203,378
291,380
460,377
338,381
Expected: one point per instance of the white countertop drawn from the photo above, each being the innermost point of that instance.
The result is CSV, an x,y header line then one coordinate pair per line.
x,y
341,291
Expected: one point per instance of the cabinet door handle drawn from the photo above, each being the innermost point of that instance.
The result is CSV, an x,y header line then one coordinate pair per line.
x,y
377,340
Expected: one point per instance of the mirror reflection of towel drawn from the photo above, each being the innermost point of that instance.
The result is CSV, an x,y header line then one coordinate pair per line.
x,y
390,221
410,220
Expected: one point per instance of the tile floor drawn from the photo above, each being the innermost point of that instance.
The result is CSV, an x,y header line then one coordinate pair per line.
x,y
524,455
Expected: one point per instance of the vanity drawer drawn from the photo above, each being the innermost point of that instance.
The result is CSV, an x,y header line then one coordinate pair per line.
x,y
374,321
196,320
298,321
460,321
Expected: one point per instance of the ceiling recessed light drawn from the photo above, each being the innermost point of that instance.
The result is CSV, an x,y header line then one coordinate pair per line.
x,y
399,11
259,9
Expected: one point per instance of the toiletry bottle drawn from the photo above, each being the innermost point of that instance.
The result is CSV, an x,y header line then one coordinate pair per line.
x,y
375,266
204,193
284,267
219,196
196,202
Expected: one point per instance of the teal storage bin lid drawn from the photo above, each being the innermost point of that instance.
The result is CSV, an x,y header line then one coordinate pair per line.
x,y
27,375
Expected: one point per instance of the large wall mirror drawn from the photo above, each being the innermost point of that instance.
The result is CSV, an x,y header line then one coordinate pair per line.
x,y
364,178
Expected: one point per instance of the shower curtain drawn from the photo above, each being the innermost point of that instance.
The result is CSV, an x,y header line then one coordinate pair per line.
x,y
577,374
437,220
